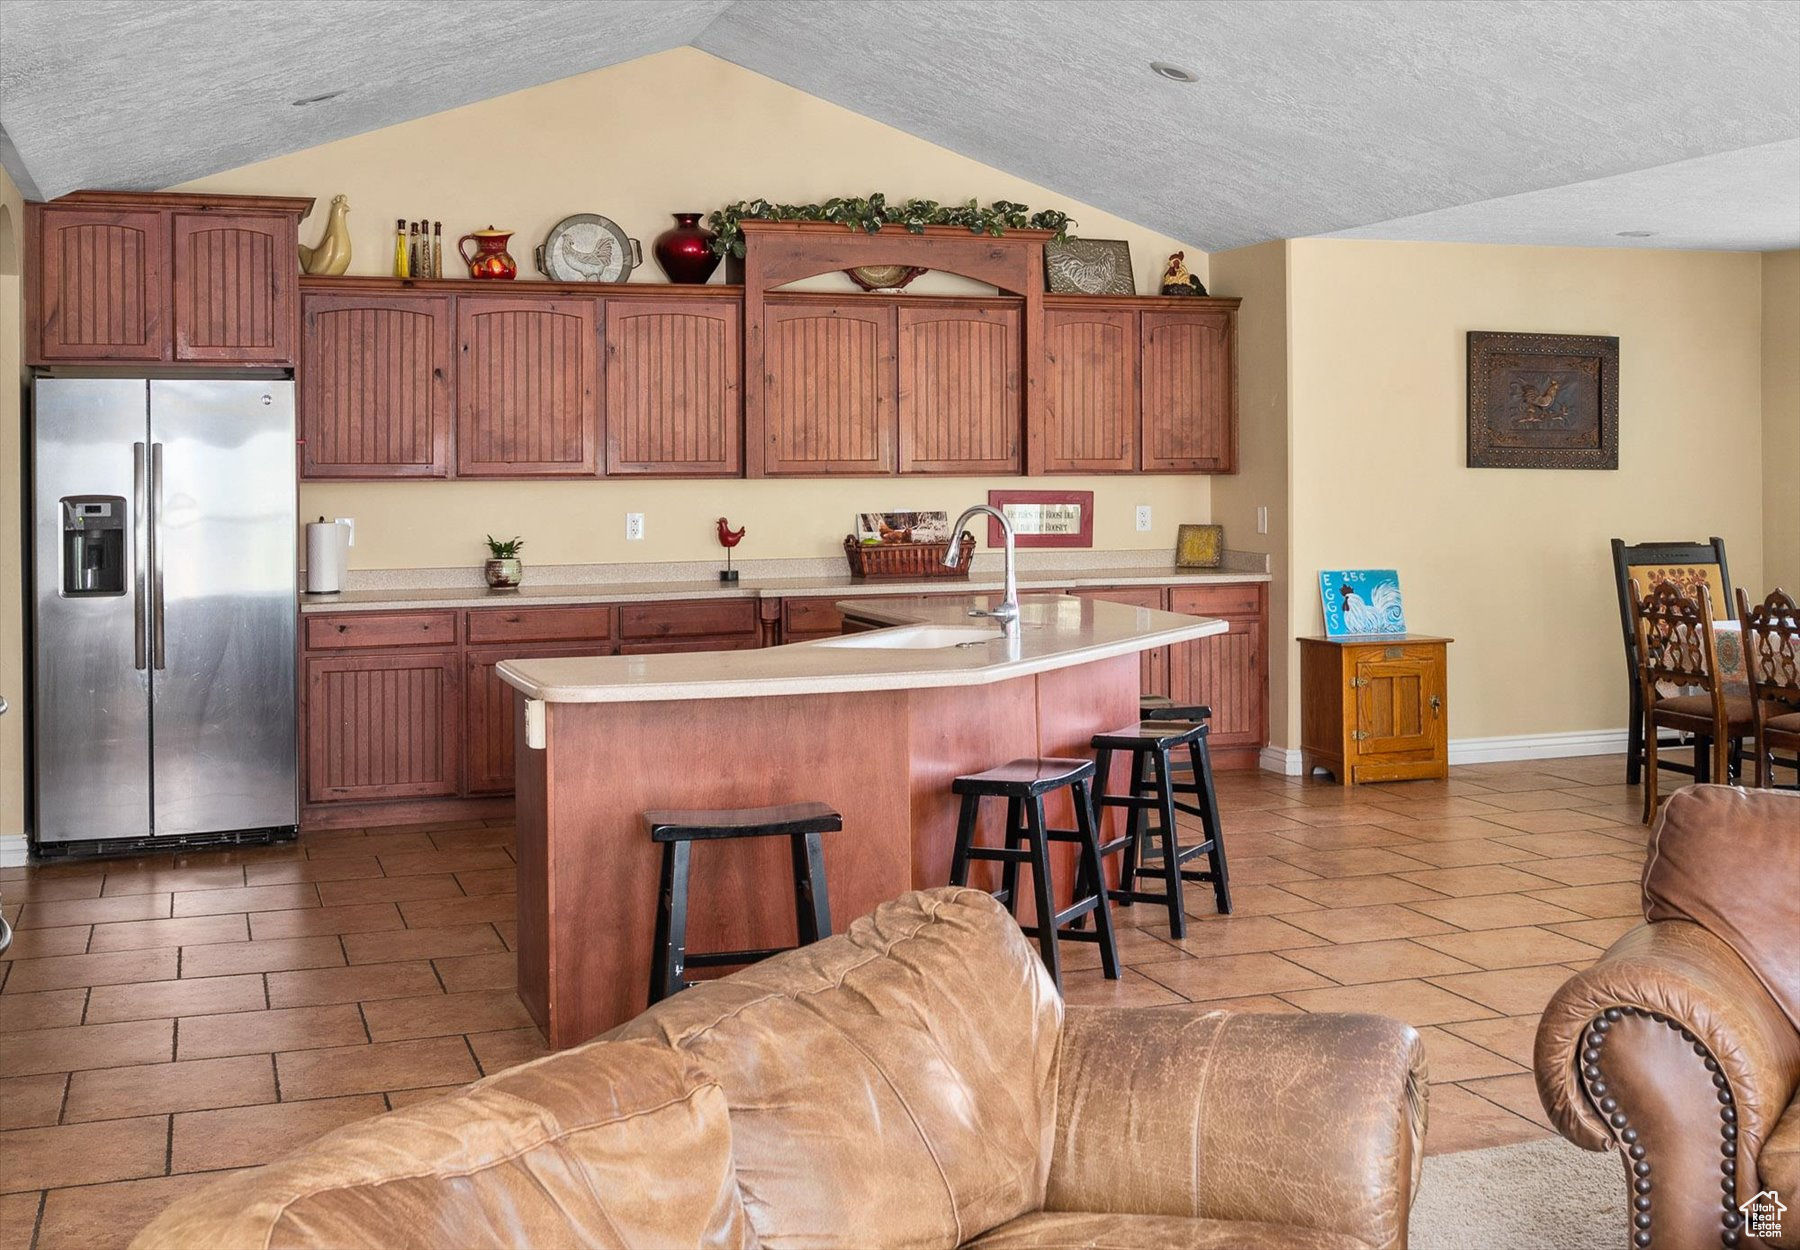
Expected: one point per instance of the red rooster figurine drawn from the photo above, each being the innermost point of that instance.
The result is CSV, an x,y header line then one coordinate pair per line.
x,y
729,538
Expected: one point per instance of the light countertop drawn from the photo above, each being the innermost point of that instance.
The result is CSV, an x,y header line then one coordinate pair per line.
x,y
1055,631
549,595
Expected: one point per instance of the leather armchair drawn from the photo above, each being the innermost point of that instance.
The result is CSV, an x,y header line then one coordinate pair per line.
x,y
913,1082
1680,1047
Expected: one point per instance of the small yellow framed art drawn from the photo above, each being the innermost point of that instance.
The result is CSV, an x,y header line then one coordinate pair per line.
x,y
1199,546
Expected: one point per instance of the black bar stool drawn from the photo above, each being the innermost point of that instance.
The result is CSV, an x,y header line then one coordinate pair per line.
x,y
1162,707
1023,784
800,823
1153,787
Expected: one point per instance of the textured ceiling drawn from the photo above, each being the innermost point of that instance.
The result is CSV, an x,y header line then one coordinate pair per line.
x,y
1490,120
1748,200
143,94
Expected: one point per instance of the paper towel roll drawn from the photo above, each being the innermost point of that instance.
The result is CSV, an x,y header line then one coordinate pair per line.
x,y
325,544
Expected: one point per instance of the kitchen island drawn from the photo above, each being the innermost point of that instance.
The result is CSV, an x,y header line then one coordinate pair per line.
x,y
875,723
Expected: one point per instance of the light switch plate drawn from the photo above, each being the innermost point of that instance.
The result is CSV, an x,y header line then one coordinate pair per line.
x,y
634,526
1262,519
1143,518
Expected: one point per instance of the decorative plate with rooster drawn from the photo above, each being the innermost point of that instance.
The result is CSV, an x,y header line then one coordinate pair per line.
x,y
588,248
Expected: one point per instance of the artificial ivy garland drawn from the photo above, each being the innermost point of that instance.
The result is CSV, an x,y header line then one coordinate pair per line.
x,y
871,214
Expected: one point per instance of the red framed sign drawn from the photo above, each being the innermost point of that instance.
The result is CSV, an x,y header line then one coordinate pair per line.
x,y
1044,518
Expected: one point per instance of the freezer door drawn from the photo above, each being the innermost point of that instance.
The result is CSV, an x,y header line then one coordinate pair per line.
x,y
222,604
91,713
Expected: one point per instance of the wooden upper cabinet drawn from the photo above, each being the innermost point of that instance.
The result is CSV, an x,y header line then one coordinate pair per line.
x,y
102,284
959,388
1189,388
673,402
236,280
828,388
375,385
1090,391
527,387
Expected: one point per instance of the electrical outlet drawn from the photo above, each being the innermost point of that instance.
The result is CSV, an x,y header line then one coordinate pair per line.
x,y
634,526
1143,518
1262,519
349,523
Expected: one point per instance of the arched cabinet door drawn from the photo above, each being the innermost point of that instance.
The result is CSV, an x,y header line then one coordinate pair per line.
x,y
375,385
236,283
828,388
527,387
673,403
102,284
959,394
1090,390
1190,392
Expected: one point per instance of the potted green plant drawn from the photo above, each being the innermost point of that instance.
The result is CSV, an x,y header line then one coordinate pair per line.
x,y
504,569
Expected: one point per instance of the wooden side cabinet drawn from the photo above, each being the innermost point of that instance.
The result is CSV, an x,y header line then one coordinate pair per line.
x,y
1374,709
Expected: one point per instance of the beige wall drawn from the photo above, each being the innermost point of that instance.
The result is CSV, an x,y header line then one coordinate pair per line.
x,y
1259,275
680,130
1781,421
1513,563
12,545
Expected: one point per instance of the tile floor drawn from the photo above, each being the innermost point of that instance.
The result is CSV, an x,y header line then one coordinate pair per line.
x,y
202,1012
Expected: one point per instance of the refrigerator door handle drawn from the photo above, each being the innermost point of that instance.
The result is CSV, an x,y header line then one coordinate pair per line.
x,y
140,531
156,569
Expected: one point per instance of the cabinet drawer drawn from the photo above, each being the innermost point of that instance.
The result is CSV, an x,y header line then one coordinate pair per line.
x,y
687,620
1242,599
1382,653
693,644
810,617
352,631
584,624
1135,596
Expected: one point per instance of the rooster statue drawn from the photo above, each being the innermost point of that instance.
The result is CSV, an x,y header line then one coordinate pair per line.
x,y
332,256
729,538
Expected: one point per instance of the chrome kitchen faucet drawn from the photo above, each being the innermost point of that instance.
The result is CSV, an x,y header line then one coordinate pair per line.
x,y
1007,610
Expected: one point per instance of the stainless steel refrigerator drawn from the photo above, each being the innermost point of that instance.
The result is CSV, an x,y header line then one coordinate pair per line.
x,y
163,579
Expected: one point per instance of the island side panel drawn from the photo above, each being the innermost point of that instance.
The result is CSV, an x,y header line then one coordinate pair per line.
x,y
954,730
608,763
532,850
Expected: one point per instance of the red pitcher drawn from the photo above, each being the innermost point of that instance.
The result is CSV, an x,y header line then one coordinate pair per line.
x,y
491,259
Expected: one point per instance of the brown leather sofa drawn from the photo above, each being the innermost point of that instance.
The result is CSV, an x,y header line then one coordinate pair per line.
x,y
1680,1047
913,1082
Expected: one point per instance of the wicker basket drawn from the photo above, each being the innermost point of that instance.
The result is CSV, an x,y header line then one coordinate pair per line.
x,y
909,560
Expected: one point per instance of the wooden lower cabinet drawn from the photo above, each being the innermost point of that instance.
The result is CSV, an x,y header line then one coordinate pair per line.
x,y
382,726
487,737
1374,711
1228,672
405,718
1155,664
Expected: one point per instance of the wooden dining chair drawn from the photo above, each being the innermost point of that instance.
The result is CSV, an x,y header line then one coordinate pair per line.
x,y
1687,564
1772,661
1675,646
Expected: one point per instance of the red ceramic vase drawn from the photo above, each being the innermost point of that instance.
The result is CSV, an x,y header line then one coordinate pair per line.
x,y
685,250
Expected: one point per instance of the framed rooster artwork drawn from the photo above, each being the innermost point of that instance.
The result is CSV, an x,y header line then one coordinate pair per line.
x,y
1543,401
1358,602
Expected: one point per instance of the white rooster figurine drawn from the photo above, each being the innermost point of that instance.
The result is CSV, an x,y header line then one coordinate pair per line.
x,y
332,256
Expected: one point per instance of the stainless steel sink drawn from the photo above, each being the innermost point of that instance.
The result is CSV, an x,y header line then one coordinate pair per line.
x,y
917,638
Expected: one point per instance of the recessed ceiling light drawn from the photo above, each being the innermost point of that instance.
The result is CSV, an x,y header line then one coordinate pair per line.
x,y
1636,234
1174,73
317,99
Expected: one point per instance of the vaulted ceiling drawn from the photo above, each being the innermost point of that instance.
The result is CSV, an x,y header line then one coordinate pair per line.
x,y
1485,120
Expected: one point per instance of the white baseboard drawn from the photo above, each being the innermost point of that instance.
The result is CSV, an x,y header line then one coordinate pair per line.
x,y
1490,750
14,850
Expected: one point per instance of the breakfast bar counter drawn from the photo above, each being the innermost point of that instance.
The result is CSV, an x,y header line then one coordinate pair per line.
x,y
874,723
